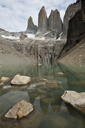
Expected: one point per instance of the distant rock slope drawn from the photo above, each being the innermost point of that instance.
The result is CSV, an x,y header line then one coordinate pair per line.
x,y
70,12
10,56
76,36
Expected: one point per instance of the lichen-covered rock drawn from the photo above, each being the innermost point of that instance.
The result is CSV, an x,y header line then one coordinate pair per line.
x,y
20,110
77,100
20,80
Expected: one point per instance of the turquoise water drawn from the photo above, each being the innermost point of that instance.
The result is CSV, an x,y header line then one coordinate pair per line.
x,y
44,92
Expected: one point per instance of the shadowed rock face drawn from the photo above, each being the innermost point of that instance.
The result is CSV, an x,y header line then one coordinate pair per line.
x,y
42,19
31,25
76,31
55,22
70,12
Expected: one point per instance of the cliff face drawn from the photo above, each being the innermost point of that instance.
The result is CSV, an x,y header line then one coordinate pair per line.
x,y
55,23
42,51
70,12
76,32
31,27
42,20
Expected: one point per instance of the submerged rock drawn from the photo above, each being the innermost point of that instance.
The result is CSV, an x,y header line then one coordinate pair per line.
x,y
20,80
77,100
5,79
20,110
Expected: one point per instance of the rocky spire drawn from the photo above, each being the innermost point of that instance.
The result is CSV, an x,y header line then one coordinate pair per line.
x,y
55,22
30,22
31,26
42,19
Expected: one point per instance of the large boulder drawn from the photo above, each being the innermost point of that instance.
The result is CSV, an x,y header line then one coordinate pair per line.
x,y
20,80
20,110
77,100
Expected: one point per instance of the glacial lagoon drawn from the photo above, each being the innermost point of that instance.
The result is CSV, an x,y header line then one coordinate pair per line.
x,y
44,92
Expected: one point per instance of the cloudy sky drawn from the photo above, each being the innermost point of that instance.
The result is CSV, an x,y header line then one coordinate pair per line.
x,y
14,14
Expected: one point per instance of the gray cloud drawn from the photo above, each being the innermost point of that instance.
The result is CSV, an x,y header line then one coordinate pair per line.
x,y
15,13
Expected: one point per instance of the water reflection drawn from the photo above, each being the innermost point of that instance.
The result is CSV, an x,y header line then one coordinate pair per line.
x,y
45,96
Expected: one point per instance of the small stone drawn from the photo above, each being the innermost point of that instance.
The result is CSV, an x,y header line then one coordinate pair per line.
x,y
5,79
20,110
20,80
